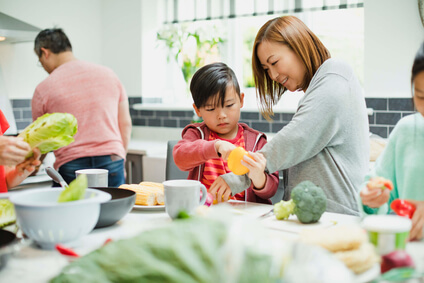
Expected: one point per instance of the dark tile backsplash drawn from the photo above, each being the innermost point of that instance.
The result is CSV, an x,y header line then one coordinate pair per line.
x,y
386,113
22,112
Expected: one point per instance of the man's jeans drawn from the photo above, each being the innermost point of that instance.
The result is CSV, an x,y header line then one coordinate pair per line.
x,y
113,163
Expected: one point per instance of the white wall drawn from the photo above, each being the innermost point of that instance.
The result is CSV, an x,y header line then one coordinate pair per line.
x,y
101,31
81,21
121,38
121,35
393,33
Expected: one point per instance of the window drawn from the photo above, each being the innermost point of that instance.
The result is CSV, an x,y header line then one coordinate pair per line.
x,y
341,31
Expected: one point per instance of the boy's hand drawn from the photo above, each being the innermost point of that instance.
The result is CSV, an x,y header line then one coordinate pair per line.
x,y
416,232
374,197
220,190
256,168
224,148
12,150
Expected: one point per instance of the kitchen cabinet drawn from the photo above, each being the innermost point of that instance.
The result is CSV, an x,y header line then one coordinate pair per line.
x,y
134,168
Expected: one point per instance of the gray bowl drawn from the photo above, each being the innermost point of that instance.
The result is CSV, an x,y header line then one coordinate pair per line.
x,y
116,208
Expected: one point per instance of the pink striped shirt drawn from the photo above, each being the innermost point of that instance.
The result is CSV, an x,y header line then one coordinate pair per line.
x,y
217,166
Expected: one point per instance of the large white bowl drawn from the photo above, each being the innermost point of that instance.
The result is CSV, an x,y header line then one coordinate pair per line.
x,y
48,222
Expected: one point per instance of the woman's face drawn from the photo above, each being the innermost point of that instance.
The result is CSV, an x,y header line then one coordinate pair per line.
x,y
419,92
281,64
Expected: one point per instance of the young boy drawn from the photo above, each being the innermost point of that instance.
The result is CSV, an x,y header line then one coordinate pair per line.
x,y
205,146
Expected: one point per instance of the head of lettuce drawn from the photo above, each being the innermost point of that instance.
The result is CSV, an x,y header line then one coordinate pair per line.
x,y
50,132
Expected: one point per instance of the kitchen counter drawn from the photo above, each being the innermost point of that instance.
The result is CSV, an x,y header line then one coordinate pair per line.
x,y
31,264
152,141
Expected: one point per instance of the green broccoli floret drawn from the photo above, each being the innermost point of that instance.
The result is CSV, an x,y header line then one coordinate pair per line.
x,y
283,209
308,202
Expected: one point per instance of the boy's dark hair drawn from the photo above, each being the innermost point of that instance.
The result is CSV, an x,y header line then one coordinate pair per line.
x,y
211,80
53,39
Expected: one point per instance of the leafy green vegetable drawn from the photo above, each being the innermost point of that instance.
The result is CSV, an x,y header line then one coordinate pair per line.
x,y
50,131
308,202
7,213
75,190
400,274
196,250
183,215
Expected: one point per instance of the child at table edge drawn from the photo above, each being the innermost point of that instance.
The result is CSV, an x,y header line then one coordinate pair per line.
x,y
402,160
11,176
217,99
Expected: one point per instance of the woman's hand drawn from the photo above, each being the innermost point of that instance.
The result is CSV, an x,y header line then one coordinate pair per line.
x,y
256,166
416,232
220,190
13,150
374,197
224,148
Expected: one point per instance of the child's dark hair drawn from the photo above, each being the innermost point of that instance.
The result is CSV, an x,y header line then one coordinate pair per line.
x,y
53,39
211,80
418,65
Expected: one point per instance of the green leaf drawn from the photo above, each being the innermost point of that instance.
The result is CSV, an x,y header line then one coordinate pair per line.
x,y
7,213
75,190
50,132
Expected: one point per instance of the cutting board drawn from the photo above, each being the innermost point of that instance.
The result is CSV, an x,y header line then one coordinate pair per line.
x,y
293,225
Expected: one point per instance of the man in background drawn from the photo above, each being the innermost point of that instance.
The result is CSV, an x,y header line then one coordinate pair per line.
x,y
95,96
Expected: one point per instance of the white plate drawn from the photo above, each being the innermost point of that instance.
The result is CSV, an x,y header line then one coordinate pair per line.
x,y
149,207
369,274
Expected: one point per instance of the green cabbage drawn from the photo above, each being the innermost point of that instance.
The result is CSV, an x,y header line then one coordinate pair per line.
x,y
75,190
50,132
7,213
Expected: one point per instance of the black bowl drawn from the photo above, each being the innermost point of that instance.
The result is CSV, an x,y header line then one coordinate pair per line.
x,y
7,242
112,211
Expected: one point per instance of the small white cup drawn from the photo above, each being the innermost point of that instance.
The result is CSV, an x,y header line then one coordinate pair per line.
x,y
95,177
183,195
387,232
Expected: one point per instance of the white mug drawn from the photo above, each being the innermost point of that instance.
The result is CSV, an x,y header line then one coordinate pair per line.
x,y
95,177
183,195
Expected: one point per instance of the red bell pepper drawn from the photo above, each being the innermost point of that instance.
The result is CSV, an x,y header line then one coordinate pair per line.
x,y
66,251
403,207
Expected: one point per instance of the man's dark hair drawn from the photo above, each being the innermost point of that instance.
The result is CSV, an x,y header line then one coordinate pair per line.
x,y
53,39
211,80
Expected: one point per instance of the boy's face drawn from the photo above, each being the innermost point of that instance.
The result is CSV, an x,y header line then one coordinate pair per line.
x,y
222,120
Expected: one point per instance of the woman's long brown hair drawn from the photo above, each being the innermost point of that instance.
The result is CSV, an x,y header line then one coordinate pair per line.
x,y
292,32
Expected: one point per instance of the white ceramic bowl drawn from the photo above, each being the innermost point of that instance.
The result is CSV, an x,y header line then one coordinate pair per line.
x,y
48,222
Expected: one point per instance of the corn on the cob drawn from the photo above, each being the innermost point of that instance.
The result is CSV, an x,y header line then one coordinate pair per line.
x,y
142,197
157,188
147,193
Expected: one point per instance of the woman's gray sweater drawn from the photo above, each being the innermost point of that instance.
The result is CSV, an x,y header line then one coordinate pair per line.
x,y
326,142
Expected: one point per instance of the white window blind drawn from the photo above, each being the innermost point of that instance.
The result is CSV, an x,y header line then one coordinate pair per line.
x,y
177,11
